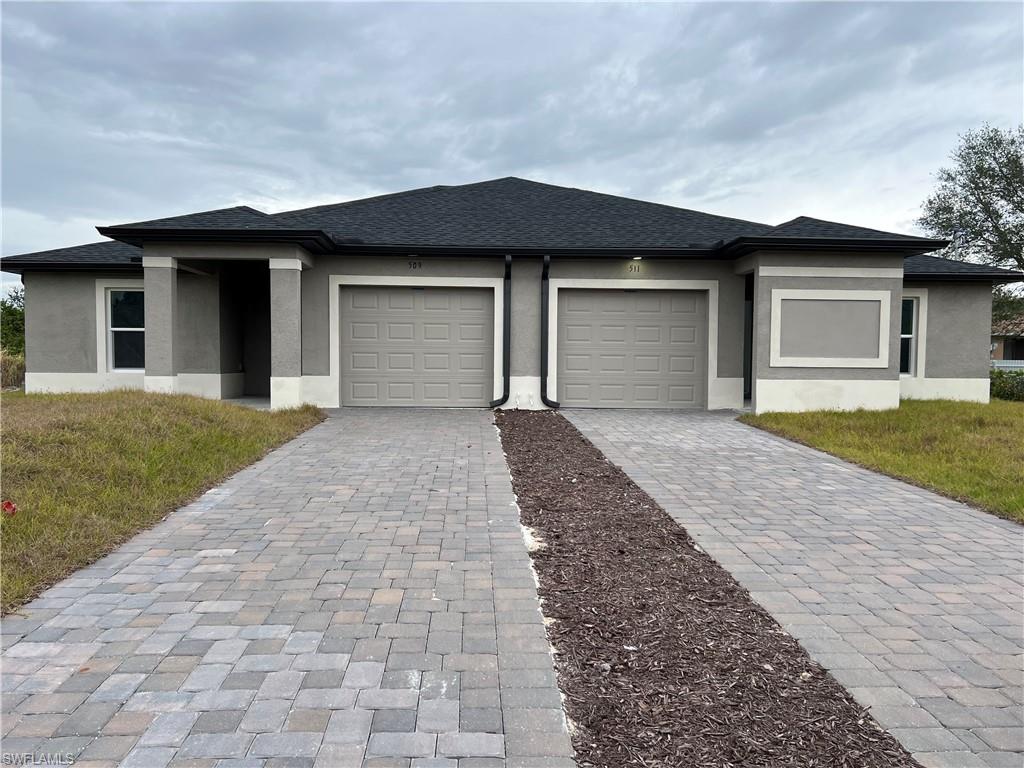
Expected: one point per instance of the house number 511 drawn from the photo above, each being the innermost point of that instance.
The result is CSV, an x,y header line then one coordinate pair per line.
x,y
633,267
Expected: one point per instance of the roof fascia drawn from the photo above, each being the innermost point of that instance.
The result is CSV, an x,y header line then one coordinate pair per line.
x,y
313,240
20,266
744,245
964,277
356,249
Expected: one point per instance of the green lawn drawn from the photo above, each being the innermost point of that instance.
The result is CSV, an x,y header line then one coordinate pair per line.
x,y
88,471
967,451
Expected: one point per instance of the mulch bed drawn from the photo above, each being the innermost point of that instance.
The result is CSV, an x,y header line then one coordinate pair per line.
x,y
663,659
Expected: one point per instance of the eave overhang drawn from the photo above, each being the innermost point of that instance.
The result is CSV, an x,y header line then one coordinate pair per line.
x,y
313,240
17,266
743,246
995,278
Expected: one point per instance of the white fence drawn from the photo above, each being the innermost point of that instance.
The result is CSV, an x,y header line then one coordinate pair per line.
x,y
1008,365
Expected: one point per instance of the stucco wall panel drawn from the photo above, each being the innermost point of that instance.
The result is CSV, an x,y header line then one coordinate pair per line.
x,y
60,322
198,343
526,318
959,324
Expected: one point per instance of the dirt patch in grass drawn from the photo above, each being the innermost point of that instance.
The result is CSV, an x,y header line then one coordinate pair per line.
x,y
87,472
664,660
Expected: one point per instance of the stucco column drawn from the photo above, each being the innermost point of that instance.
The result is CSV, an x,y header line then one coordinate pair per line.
x,y
285,333
160,275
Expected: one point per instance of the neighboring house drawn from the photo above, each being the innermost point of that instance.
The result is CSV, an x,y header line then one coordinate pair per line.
x,y
509,292
1008,339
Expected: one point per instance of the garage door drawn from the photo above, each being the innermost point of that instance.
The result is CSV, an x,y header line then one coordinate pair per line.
x,y
632,349
416,346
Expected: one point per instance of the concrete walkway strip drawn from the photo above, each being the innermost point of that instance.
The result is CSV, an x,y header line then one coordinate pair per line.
x,y
361,596
911,600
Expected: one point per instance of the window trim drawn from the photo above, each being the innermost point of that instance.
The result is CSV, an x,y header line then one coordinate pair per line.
x,y
104,345
920,330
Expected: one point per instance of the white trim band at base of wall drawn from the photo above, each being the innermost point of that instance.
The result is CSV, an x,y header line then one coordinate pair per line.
x,y
82,382
216,386
725,394
794,395
321,391
162,384
524,394
972,390
285,392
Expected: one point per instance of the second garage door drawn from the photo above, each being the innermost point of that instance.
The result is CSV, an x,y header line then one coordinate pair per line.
x,y
632,349
416,346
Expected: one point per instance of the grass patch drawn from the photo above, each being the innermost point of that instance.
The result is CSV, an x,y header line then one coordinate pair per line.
x,y
89,471
967,451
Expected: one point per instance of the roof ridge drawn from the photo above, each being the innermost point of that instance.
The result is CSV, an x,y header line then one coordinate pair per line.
x,y
842,224
374,198
190,214
420,190
243,208
630,199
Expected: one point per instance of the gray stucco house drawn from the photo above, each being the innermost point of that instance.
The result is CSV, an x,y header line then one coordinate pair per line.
x,y
509,292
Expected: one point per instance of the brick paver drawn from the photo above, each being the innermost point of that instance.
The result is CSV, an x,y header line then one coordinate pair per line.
x,y
913,601
361,596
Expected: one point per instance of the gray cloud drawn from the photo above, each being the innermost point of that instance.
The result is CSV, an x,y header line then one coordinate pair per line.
x,y
120,112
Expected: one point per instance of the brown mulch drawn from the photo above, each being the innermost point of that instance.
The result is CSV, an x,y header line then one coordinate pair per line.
x,y
663,659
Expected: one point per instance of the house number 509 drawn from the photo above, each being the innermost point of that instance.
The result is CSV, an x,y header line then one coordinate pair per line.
x,y
415,265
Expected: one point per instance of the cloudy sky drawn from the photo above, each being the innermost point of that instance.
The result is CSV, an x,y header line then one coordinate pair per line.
x,y
119,112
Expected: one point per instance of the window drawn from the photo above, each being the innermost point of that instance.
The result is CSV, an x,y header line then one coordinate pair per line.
x,y
126,340
908,337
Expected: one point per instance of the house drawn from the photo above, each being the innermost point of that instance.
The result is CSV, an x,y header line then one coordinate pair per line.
x,y
509,292
1008,339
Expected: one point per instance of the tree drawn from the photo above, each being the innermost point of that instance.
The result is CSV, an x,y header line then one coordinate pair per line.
x,y
1007,304
979,202
12,321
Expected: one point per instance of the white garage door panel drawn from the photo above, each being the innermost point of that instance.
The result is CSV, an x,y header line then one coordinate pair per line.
x,y
632,349
416,346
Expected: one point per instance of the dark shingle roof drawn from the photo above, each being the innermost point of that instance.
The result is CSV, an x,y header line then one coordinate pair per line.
x,y
503,213
102,254
805,226
936,267
513,212
240,216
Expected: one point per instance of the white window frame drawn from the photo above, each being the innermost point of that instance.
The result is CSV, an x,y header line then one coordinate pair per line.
x,y
920,296
778,295
104,331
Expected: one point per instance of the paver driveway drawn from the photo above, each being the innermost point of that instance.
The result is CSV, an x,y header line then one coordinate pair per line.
x,y
363,592
913,601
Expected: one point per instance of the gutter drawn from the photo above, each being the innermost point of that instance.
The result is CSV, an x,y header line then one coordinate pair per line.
x,y
14,265
313,240
995,278
545,320
741,246
506,336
